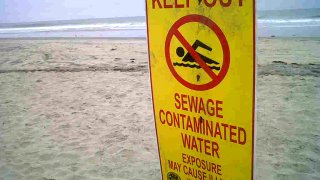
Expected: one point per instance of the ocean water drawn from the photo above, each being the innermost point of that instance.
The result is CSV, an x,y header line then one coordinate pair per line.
x,y
105,27
286,23
281,23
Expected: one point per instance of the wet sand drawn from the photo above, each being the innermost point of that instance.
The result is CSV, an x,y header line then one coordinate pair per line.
x,y
82,109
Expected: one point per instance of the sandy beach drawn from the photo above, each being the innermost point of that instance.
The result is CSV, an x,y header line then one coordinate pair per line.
x,y
82,109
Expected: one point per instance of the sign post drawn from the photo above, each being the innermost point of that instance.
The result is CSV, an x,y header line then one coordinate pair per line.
x,y
202,69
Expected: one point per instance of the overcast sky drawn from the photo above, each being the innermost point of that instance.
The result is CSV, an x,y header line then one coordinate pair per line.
x,y
44,10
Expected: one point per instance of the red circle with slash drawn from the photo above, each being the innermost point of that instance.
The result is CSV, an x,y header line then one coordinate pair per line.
x,y
216,78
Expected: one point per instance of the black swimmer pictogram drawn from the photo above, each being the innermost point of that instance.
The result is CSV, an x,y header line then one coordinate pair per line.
x,y
188,57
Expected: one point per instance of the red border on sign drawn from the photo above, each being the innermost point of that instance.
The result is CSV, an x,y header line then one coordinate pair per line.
x,y
216,79
254,90
154,112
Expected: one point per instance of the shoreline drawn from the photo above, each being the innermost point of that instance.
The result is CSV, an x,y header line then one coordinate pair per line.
x,y
76,38
139,38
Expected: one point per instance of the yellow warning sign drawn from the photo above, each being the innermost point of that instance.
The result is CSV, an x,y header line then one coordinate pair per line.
x,y
202,66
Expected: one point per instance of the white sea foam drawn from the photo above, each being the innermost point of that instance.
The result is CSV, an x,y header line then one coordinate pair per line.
x,y
264,23
279,21
78,27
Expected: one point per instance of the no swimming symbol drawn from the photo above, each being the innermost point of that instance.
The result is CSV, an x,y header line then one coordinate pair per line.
x,y
192,56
